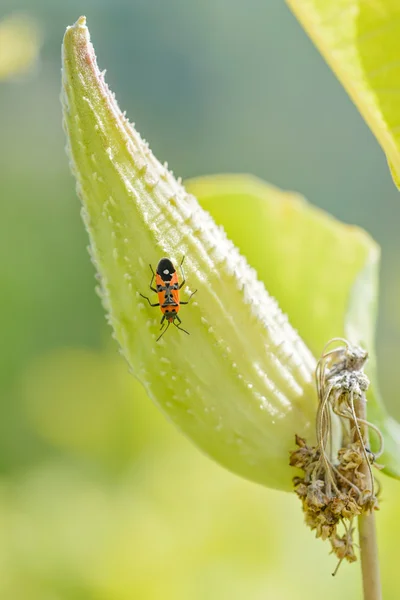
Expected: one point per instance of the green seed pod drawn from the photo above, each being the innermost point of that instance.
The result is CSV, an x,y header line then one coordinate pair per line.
x,y
242,384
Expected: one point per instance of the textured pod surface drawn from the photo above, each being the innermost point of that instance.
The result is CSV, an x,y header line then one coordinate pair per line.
x,y
242,383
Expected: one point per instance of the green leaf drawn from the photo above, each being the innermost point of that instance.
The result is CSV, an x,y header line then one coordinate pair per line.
x,y
361,43
243,383
323,273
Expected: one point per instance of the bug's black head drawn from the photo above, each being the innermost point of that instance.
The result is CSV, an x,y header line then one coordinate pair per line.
x,y
165,269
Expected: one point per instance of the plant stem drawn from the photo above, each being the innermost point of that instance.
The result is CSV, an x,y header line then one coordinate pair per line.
x,y
369,557
366,528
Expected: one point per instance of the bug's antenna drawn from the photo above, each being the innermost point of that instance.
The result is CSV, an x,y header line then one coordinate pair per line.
x,y
181,329
160,336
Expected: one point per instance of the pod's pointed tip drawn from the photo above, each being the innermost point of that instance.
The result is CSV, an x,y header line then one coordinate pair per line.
x,y
81,22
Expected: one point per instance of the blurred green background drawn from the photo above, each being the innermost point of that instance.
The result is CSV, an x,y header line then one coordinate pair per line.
x,y
100,498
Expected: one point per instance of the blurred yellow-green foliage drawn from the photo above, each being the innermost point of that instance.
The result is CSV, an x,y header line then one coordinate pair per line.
x,y
19,45
100,498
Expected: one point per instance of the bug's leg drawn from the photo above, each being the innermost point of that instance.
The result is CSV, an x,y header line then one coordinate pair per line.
x,y
162,321
177,326
152,279
160,336
183,274
189,298
148,300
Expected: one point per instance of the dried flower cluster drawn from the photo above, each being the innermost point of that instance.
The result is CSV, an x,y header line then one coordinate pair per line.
x,y
338,485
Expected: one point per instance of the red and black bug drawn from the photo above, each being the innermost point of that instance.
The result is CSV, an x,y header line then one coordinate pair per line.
x,y
167,288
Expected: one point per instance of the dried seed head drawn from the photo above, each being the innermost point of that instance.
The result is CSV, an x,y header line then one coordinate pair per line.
x,y
336,489
316,498
305,456
343,547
